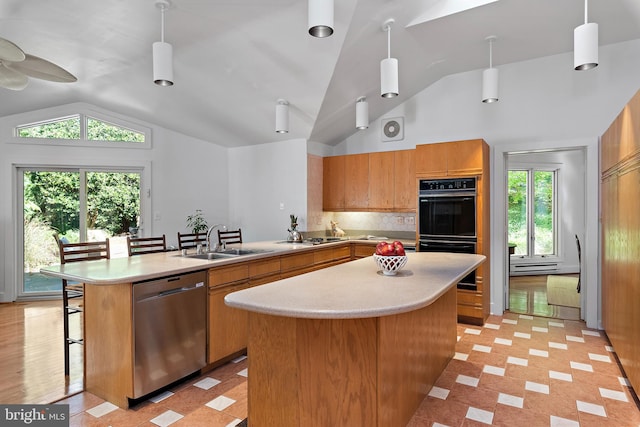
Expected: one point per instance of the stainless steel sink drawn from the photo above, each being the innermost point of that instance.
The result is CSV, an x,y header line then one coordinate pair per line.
x,y
211,255
228,253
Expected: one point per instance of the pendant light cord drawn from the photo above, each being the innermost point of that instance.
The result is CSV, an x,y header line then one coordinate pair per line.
x,y
586,10
162,9
388,41
490,53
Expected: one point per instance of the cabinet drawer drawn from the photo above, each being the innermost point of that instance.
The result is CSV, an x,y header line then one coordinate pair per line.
x,y
469,298
331,254
297,261
264,267
232,273
470,311
361,250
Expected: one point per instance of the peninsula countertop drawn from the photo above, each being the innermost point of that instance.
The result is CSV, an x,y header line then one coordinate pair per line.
x,y
152,266
358,290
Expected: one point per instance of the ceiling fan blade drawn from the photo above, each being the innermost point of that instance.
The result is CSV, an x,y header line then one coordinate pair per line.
x,y
42,69
10,52
11,79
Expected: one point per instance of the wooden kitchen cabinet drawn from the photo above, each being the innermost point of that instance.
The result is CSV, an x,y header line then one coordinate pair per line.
x,y
371,182
356,182
456,158
381,180
333,183
405,190
620,236
228,327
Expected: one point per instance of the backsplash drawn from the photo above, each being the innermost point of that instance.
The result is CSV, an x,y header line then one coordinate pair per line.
x,y
365,221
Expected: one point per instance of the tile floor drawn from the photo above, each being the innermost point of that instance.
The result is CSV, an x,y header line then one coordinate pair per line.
x,y
517,370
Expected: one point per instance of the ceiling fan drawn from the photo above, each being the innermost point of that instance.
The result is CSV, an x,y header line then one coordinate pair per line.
x,y
16,67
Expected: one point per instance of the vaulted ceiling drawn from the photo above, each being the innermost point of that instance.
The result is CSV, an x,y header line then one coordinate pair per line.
x,y
234,58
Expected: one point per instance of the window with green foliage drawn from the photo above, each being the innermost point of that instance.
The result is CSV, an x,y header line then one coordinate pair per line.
x,y
62,128
531,212
98,130
80,127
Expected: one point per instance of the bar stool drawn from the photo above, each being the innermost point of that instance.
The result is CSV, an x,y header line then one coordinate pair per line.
x,y
230,236
146,245
76,252
191,240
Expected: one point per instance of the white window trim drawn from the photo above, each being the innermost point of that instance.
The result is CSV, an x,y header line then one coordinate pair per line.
x,y
557,256
84,111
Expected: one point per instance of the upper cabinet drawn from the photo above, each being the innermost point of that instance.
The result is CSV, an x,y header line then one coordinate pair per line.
x,y
457,158
371,182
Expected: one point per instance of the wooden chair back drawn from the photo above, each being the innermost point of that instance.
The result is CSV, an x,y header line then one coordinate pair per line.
x,y
230,236
191,240
146,245
84,251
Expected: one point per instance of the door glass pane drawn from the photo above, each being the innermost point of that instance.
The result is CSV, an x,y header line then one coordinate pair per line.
x,y
517,210
50,208
113,208
543,213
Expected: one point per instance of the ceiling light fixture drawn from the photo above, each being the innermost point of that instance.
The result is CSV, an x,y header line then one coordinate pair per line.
x,y
162,53
362,113
282,116
388,67
490,77
585,44
320,18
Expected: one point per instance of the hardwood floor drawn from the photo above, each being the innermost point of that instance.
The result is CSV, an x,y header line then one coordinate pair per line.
x,y
32,353
528,295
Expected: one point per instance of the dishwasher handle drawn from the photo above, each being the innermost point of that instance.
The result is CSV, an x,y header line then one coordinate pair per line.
x,y
167,293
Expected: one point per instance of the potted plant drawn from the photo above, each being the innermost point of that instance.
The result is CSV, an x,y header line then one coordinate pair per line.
x,y
196,222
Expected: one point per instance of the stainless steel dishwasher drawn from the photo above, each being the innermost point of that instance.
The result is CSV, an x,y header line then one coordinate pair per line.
x,y
169,320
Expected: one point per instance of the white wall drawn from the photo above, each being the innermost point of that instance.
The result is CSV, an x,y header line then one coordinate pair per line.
x,y
543,103
261,179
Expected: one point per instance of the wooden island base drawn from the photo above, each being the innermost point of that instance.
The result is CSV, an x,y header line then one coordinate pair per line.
x,y
347,372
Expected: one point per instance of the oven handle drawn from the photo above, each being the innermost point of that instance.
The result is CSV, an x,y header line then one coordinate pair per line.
x,y
423,195
461,245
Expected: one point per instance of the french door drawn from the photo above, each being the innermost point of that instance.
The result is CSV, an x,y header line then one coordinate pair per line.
x,y
75,205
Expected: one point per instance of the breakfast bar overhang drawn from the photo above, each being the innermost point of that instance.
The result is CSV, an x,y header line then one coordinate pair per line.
x,y
348,345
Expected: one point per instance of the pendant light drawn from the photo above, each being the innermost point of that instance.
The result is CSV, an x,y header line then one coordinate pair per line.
x,y
162,53
362,113
282,116
320,18
490,77
585,44
388,67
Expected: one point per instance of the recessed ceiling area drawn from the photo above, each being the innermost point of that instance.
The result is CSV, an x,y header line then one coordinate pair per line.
x,y
234,59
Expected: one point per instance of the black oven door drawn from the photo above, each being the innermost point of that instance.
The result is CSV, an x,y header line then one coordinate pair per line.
x,y
447,216
469,281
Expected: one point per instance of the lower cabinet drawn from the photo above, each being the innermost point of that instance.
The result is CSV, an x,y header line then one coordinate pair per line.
x,y
228,327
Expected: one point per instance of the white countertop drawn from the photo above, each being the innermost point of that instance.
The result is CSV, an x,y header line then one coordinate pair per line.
x,y
151,266
358,290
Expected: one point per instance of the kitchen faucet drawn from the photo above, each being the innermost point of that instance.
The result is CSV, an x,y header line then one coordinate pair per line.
x,y
224,228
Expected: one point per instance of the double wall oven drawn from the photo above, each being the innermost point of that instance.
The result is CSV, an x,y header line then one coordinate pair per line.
x,y
447,219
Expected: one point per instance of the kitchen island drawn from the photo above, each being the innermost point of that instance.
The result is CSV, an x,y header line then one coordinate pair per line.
x,y
347,345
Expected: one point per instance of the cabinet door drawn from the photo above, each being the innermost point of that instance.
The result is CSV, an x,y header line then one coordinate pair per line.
x,y
381,180
464,157
228,327
356,181
431,159
333,183
405,186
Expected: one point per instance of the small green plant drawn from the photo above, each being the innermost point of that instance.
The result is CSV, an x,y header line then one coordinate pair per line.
x,y
196,222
